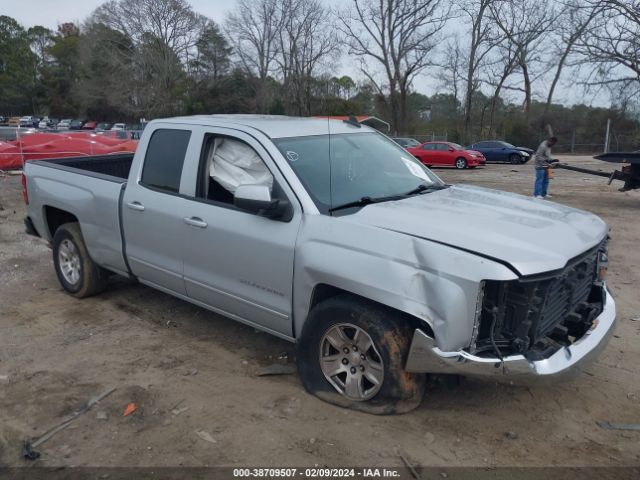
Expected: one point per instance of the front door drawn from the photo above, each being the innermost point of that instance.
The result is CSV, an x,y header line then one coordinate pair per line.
x,y
238,263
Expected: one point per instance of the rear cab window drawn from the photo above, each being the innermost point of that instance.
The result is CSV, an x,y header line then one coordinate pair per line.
x,y
164,160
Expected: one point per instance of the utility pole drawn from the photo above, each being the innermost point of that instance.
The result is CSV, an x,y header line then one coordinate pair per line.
x,y
606,138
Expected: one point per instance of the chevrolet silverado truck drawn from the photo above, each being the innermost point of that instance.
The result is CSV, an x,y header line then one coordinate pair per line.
x,y
328,234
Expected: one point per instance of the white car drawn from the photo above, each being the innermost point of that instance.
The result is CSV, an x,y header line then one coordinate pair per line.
x,y
64,124
26,121
119,126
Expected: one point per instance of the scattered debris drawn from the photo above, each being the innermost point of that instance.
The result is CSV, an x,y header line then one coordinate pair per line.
x,y
131,408
429,438
102,415
190,373
413,471
618,426
635,319
4,378
27,449
206,436
178,411
28,453
511,435
312,441
277,369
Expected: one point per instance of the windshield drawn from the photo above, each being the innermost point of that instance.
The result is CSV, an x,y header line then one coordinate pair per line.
x,y
456,146
506,145
342,168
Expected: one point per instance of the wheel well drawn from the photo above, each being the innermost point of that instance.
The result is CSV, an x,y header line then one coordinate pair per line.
x,y
56,217
323,292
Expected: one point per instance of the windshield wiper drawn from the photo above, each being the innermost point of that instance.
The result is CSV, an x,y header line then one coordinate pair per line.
x,y
364,201
424,187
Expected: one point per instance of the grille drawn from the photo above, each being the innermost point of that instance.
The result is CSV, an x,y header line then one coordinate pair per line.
x,y
566,292
521,314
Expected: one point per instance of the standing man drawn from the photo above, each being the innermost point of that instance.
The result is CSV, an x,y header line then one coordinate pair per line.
x,y
543,163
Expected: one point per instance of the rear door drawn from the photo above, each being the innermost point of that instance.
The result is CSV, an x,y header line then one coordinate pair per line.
x,y
152,212
426,154
238,263
444,156
489,151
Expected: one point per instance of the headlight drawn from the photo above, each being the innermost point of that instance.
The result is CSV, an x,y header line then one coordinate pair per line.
x,y
478,314
524,154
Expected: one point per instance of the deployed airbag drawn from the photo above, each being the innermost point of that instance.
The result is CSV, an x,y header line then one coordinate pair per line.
x,y
235,163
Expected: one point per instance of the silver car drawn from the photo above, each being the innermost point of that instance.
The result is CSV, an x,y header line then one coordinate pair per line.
x,y
330,235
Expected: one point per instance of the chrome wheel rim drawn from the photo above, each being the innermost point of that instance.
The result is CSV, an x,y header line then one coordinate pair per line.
x,y
69,261
459,163
350,362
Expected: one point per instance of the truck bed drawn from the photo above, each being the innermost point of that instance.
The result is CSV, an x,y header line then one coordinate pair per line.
x,y
117,166
90,189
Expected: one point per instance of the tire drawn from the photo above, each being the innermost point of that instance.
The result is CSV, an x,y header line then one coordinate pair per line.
x,y
461,163
76,272
382,333
515,159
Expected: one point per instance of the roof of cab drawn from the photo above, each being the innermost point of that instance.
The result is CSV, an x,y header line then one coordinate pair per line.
x,y
274,126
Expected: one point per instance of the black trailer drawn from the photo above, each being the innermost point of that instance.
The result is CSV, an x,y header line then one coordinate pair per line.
x,y
629,172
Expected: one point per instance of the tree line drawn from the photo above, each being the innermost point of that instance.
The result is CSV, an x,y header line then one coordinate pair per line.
x,y
498,63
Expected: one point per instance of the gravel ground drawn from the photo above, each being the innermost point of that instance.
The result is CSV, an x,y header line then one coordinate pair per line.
x,y
193,373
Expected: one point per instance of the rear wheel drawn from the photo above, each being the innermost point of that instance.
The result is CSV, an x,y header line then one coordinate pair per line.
x,y
78,274
461,163
352,353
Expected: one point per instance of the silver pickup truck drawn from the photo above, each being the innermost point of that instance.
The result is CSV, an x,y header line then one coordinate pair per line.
x,y
328,234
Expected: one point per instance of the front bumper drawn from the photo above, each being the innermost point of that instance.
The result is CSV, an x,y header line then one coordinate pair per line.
x,y
426,357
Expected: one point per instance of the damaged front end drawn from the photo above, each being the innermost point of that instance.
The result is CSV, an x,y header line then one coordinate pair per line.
x,y
540,324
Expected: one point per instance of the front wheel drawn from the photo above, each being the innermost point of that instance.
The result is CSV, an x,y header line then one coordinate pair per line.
x,y
461,163
515,159
352,353
78,274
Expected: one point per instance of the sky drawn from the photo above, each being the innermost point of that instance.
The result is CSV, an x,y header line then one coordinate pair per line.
x,y
50,13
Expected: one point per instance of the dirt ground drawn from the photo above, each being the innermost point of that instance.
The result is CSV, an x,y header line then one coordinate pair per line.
x,y
193,373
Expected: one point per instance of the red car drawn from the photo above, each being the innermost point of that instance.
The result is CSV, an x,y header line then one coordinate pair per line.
x,y
446,154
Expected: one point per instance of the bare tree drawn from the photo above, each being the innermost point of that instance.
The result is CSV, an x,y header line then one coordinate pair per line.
x,y
253,29
524,24
172,22
161,37
498,72
306,40
451,71
571,25
401,36
610,45
482,40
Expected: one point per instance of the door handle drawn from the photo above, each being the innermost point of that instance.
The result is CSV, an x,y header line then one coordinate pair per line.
x,y
195,222
136,206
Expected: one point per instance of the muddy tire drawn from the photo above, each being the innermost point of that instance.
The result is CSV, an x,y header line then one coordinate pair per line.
x,y
352,353
76,272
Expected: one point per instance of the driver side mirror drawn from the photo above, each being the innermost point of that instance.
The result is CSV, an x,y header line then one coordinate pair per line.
x,y
257,199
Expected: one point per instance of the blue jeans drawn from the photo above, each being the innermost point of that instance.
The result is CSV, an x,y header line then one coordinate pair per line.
x,y
542,183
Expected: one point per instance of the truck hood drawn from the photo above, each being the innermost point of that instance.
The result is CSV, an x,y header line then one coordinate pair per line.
x,y
532,236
